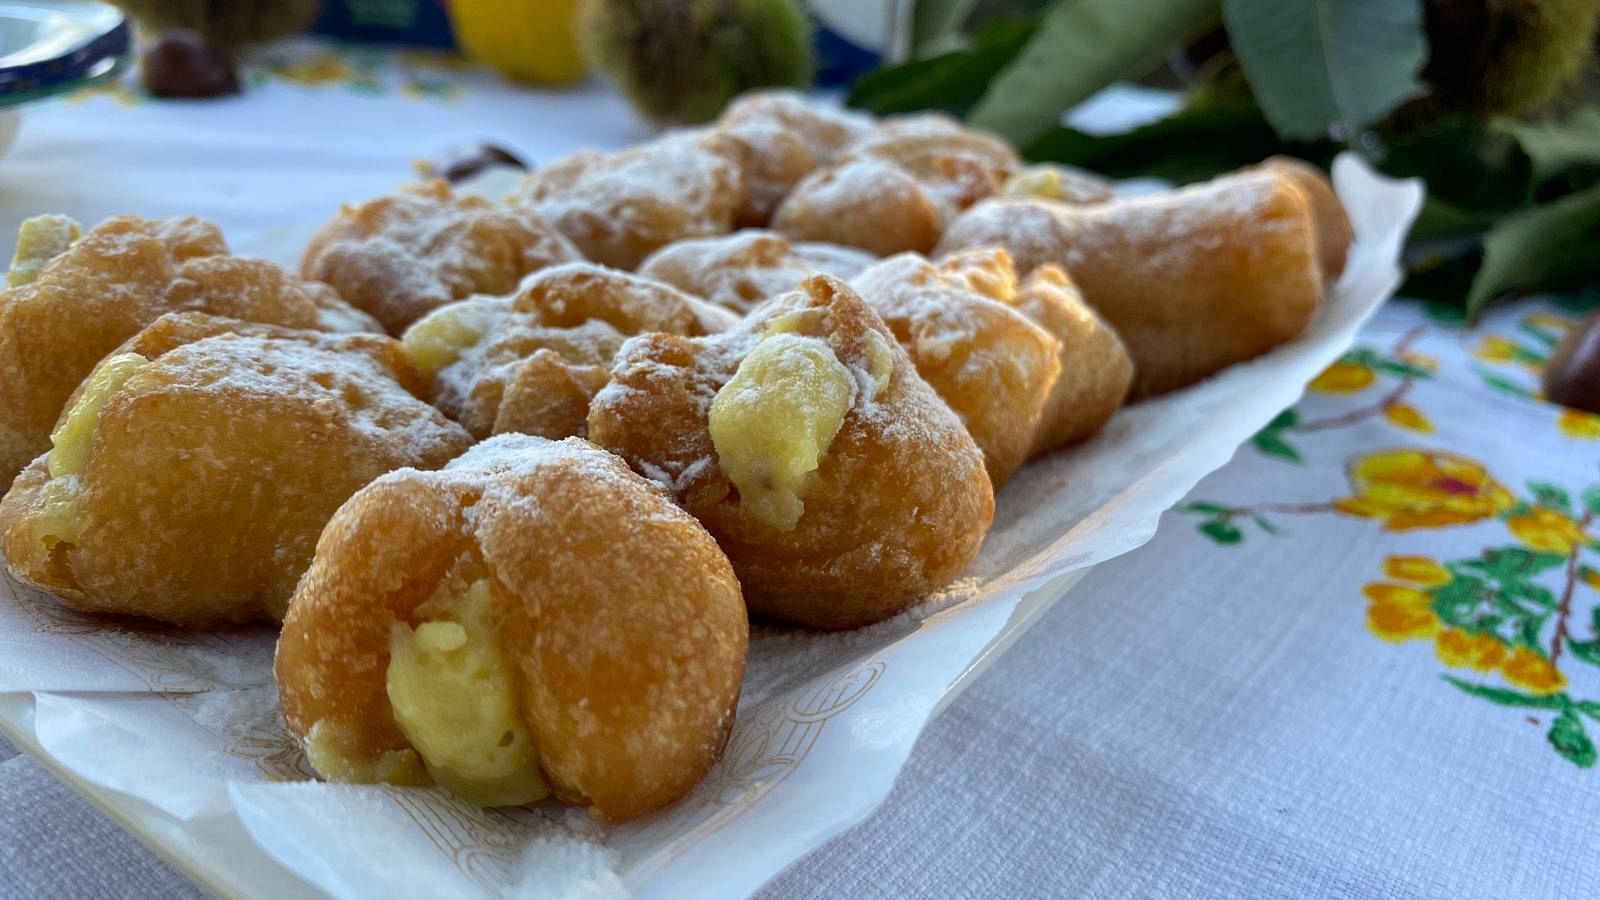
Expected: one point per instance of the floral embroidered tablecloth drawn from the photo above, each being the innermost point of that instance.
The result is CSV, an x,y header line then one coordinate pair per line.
x,y
1363,659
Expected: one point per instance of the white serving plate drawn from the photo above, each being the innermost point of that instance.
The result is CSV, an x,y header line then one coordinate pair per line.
x,y
825,727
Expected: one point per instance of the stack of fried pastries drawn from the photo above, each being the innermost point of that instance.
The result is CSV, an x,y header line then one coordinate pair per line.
x,y
513,475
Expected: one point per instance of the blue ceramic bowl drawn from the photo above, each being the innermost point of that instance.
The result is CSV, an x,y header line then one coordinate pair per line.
x,y
52,46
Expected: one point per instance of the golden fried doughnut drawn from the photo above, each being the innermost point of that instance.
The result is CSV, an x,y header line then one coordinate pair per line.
x,y
992,364
738,271
867,203
619,207
530,363
784,136
893,190
1050,181
958,165
1335,234
532,619
1193,280
423,246
76,299
1096,370
839,484
192,471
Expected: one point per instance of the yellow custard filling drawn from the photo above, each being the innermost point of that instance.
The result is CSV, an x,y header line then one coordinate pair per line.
x,y
70,444
455,700
773,421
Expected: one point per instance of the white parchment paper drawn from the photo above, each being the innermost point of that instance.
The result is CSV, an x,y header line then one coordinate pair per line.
x,y
179,733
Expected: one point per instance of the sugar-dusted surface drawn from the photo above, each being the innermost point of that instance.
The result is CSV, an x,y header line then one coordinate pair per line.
x,y
826,724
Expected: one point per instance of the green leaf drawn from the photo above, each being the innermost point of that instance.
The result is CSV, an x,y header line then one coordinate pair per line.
x,y
1082,46
1570,740
1190,145
1513,564
1550,495
1289,418
1210,509
934,21
1543,336
1542,247
1472,173
1271,444
1265,525
1528,590
1439,218
1506,697
1315,64
1556,148
1222,531
951,82
1528,632
1588,708
1591,499
1444,313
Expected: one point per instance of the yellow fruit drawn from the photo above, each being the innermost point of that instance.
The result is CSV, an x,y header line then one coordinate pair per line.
x,y
525,40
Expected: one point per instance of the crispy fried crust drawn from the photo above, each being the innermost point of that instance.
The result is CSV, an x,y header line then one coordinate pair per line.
x,y
900,504
623,618
117,278
212,470
397,257
1193,281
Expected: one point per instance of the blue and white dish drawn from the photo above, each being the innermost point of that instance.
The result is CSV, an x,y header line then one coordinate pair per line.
x,y
51,46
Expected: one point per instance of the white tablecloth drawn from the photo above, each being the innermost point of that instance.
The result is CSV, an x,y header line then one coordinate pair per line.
x,y
1311,682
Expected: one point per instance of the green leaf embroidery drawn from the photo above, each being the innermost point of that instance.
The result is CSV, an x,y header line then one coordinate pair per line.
x,y
1541,335
1589,708
1504,386
1567,735
1210,509
1506,697
1402,370
1080,47
1528,631
1271,444
1591,499
1586,651
1289,418
1222,531
1553,496
1510,564
1541,247
1264,525
1315,64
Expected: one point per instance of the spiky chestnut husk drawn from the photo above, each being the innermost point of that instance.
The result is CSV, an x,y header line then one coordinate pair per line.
x,y
226,24
681,61
1506,57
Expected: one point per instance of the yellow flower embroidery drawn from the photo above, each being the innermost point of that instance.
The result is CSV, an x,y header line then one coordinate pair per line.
x,y
1408,489
1547,530
1548,321
1420,360
1399,613
1495,349
1581,425
1343,378
1528,670
318,70
1408,416
1460,650
1590,577
1417,570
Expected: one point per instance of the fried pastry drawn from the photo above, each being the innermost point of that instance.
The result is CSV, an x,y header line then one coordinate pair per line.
x,y
739,270
530,363
839,484
76,299
532,620
400,256
1050,181
619,207
1192,281
783,137
993,365
894,189
1335,234
192,471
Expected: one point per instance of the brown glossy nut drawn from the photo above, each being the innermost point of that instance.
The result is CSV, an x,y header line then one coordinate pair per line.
x,y
1573,376
182,64
461,163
